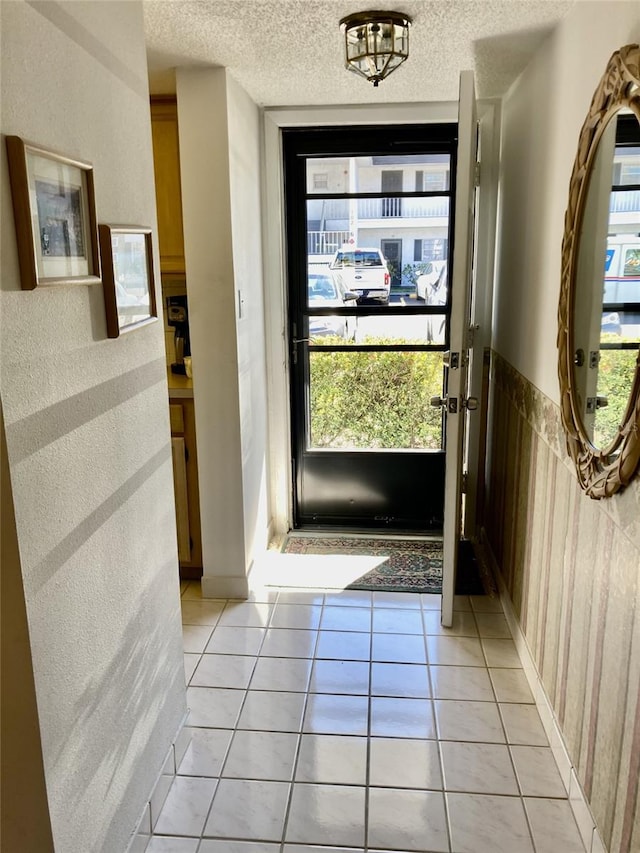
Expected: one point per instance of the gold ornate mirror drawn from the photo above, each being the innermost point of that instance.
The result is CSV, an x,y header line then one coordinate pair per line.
x,y
599,310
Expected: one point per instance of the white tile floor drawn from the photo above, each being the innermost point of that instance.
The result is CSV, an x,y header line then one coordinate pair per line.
x,y
352,722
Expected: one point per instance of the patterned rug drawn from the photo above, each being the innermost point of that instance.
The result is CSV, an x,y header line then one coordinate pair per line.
x,y
389,565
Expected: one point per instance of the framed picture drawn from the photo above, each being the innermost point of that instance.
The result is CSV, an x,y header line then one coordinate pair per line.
x,y
127,277
55,216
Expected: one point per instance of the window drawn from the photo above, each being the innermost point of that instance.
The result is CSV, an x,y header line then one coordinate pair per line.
x,y
433,249
321,181
432,181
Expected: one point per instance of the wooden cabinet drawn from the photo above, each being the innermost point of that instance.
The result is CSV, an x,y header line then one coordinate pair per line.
x,y
185,478
166,159
166,163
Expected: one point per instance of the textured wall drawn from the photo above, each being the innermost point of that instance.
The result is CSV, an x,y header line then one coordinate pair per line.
x,y
541,120
246,219
208,243
220,160
571,566
24,810
88,440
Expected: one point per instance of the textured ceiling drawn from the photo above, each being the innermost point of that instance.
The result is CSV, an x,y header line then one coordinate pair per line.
x,y
290,52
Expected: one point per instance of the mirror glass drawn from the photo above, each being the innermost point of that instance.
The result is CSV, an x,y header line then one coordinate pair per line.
x,y
606,306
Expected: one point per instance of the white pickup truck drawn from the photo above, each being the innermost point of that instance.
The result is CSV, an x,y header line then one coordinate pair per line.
x,y
363,271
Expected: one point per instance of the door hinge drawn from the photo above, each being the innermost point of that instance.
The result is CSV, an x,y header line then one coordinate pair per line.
x,y
471,335
476,177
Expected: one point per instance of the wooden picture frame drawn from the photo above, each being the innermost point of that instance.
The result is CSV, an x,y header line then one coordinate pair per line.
x,y
127,275
55,216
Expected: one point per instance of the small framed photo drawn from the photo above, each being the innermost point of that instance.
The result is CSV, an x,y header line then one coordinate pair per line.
x,y
55,216
127,277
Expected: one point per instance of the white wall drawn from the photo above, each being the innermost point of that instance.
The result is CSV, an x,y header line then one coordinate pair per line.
x,y
219,163
88,440
246,224
542,117
570,563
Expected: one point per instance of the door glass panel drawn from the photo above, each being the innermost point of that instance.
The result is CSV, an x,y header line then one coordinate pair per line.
x,y
374,400
347,239
340,175
371,329
614,369
620,327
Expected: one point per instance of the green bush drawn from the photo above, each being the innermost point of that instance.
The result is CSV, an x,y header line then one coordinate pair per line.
x,y
411,272
615,375
375,399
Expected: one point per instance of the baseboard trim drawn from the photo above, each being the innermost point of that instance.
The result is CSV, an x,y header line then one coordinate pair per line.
x,y
577,799
225,586
153,806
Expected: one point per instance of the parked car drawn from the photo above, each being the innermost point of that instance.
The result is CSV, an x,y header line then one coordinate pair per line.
x,y
431,286
429,283
611,323
327,292
363,271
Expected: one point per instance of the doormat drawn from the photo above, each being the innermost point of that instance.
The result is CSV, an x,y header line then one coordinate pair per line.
x,y
385,565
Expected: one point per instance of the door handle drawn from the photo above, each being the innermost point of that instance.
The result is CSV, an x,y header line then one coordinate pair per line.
x,y
471,404
301,341
449,404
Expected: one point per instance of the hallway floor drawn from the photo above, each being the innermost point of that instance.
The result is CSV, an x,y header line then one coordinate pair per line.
x,y
352,721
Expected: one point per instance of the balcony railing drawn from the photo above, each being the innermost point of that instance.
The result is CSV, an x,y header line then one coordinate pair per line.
x,y
402,208
418,208
325,242
625,202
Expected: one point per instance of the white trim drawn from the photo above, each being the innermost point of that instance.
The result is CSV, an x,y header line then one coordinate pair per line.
x,y
577,799
481,309
274,272
155,802
460,278
225,586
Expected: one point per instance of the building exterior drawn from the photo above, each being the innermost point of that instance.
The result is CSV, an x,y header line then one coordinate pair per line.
x,y
409,231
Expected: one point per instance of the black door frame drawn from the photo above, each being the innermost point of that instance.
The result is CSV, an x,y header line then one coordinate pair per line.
x,y
325,471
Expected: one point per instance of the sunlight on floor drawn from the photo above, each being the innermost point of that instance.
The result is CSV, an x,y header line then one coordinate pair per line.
x,y
311,571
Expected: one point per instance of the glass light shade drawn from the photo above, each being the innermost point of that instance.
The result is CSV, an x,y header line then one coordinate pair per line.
x,y
376,43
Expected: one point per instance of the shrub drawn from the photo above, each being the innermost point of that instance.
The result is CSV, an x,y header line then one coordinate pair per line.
x,y
615,375
375,399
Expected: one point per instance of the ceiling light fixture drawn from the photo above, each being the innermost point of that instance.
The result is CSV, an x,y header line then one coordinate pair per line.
x,y
376,43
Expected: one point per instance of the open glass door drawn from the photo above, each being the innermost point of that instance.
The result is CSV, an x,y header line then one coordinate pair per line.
x,y
369,243
455,402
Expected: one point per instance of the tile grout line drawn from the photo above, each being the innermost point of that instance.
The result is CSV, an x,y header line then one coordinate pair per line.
x,y
367,768
242,704
506,736
428,665
294,769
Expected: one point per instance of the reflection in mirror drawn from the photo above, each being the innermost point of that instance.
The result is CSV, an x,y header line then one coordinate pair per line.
x,y
607,297
599,306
